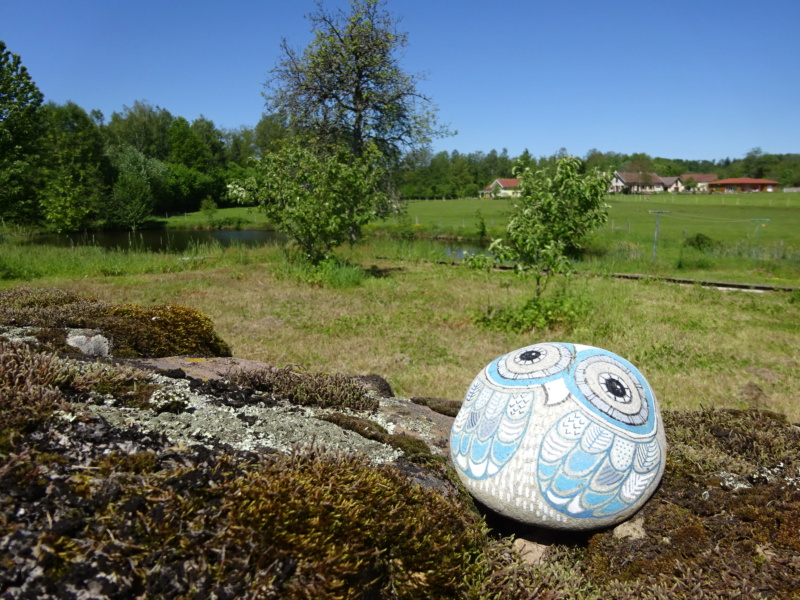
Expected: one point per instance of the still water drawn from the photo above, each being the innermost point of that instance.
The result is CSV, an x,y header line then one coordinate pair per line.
x,y
160,240
178,240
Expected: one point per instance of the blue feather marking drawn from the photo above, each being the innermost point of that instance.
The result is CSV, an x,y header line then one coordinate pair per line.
x,y
501,453
580,463
463,445
608,476
594,500
567,486
547,470
455,440
612,508
488,427
581,483
479,451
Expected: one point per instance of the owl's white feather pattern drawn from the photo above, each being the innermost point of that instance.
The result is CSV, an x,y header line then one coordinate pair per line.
x,y
596,439
491,429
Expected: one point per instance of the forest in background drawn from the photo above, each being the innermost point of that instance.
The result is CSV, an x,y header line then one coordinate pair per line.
x,y
64,168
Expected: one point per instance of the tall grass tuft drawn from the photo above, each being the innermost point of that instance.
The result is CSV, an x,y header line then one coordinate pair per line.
x,y
331,273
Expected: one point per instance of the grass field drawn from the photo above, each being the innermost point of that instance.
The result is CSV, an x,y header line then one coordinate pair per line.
x,y
412,320
744,250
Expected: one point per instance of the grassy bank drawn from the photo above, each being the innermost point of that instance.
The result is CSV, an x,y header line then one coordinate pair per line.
x,y
412,320
239,217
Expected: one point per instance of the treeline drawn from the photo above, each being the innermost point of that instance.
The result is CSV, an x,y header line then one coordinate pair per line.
x,y
67,169
424,174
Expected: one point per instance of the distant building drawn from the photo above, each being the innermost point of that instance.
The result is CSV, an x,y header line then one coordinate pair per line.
x,y
743,184
501,188
644,183
702,179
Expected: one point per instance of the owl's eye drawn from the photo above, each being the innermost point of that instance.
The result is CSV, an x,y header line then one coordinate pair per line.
x,y
530,357
613,389
541,360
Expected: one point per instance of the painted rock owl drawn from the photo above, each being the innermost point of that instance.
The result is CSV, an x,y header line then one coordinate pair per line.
x,y
560,435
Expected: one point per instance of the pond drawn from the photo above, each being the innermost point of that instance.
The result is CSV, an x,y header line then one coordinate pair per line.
x,y
178,240
160,240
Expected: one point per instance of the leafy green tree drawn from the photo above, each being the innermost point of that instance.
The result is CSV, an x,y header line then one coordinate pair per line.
x,y
187,147
321,199
141,181
20,131
240,146
556,209
270,132
213,141
347,87
143,127
185,188
74,162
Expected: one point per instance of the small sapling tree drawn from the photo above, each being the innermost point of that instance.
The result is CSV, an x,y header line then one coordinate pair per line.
x,y
321,199
556,209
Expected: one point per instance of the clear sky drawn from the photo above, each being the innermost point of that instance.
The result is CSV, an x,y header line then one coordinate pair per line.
x,y
693,79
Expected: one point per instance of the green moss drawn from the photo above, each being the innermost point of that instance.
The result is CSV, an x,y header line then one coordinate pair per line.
x,y
29,390
33,385
156,331
139,462
294,527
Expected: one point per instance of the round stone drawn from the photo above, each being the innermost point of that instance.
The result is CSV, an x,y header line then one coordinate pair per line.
x,y
559,435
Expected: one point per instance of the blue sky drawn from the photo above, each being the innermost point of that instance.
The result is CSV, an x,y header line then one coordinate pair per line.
x,y
701,79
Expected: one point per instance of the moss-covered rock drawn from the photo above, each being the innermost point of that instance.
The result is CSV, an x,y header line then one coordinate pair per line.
x,y
325,390
134,331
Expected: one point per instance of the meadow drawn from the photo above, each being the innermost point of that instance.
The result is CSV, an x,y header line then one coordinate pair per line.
x,y
395,310
734,246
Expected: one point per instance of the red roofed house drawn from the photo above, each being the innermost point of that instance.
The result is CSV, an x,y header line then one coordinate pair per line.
x,y
742,184
501,188
702,179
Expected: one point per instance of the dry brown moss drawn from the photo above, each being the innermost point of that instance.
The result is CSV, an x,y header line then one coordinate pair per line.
x,y
411,446
325,390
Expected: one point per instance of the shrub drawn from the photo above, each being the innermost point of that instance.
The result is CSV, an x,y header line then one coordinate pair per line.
x,y
562,310
700,241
